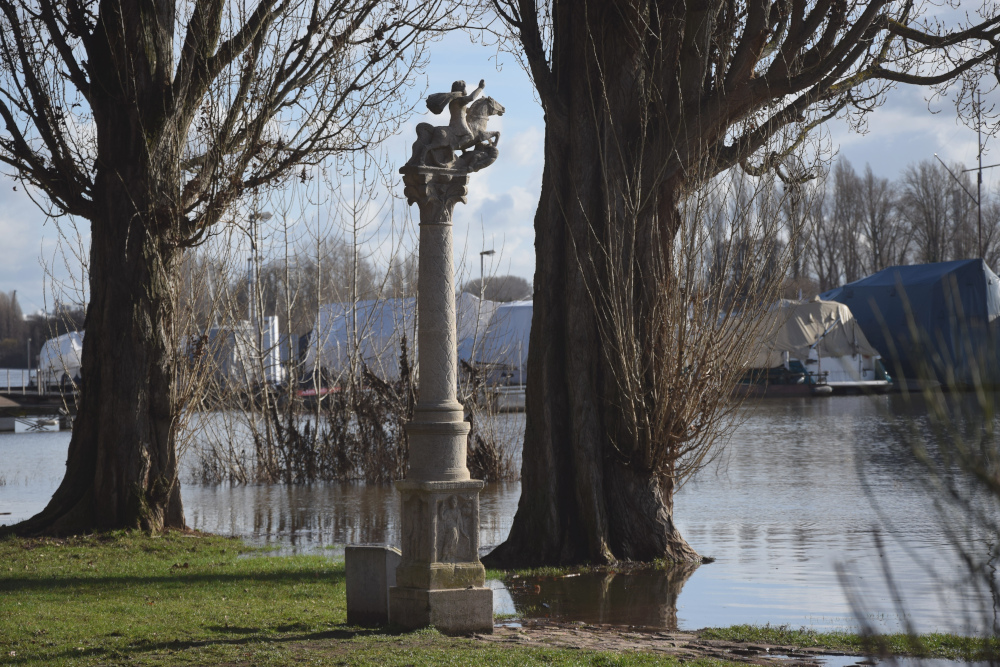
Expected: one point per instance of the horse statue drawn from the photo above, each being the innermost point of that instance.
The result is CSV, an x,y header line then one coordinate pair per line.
x,y
436,145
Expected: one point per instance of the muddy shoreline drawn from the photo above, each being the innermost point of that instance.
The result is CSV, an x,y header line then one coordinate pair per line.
x,y
545,633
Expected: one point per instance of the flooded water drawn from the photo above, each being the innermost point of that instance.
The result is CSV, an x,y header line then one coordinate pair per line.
x,y
790,512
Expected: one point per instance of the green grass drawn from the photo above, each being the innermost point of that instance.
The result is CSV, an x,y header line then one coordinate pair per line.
x,y
933,645
190,599
130,599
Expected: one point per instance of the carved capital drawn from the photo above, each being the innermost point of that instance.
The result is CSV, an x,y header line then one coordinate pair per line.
x,y
435,191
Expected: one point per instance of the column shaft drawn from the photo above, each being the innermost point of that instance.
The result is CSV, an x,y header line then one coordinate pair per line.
x,y
437,332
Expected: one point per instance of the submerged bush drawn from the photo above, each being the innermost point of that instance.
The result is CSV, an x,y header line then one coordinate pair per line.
x,y
352,430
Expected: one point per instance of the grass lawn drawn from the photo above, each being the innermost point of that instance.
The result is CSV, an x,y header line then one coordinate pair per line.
x,y
952,647
190,599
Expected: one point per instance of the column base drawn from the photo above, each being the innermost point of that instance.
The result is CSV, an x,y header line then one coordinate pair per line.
x,y
438,576
459,611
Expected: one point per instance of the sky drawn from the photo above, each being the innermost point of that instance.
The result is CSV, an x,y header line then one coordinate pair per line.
x,y
502,198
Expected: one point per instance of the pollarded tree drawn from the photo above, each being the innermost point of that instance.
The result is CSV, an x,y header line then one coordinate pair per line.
x,y
645,101
152,120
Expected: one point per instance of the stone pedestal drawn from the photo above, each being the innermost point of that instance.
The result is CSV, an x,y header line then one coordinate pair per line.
x,y
440,580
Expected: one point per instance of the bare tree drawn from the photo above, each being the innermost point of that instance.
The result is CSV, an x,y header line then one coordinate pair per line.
x,y
12,332
11,318
862,226
826,240
963,235
926,205
886,239
845,216
645,102
795,219
403,276
152,121
991,229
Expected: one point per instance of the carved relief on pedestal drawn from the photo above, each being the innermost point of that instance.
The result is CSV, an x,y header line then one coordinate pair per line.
x,y
415,522
456,526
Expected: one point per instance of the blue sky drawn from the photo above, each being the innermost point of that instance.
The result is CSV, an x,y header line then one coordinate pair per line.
x,y
502,198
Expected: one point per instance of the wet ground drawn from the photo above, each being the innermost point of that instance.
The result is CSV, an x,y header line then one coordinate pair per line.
x,y
686,646
790,511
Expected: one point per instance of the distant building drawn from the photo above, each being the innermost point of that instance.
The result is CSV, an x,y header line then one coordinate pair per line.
x,y
244,354
488,334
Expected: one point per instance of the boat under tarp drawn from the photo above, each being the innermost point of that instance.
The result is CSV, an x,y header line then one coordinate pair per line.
x,y
373,330
502,347
815,344
931,322
60,360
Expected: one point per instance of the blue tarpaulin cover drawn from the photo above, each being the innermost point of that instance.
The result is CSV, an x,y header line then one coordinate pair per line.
x,y
930,319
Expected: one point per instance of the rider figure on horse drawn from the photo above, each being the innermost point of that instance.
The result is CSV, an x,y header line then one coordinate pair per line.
x,y
457,101
435,146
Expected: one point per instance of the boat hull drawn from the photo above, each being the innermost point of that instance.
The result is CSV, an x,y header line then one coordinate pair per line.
x,y
781,390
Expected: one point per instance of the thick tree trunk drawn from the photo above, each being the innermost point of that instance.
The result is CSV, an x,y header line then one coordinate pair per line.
x,y
580,500
121,470
599,229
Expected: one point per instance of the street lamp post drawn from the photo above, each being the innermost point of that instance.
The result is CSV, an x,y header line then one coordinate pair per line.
x,y
979,175
978,200
482,284
253,269
252,262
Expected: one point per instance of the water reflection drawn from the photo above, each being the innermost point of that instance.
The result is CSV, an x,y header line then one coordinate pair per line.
x,y
325,516
637,598
789,502
802,490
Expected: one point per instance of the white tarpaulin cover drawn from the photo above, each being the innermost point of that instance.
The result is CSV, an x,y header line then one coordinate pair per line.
x,y
505,342
61,355
800,325
380,326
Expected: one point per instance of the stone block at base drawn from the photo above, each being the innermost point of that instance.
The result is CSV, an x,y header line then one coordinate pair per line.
x,y
371,572
459,611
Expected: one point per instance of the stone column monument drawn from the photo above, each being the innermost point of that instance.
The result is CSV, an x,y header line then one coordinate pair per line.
x,y
440,581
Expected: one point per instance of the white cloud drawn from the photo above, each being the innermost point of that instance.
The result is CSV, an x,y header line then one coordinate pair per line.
x,y
25,236
502,221
906,130
526,148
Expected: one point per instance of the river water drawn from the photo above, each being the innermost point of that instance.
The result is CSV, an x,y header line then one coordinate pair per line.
x,y
793,510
